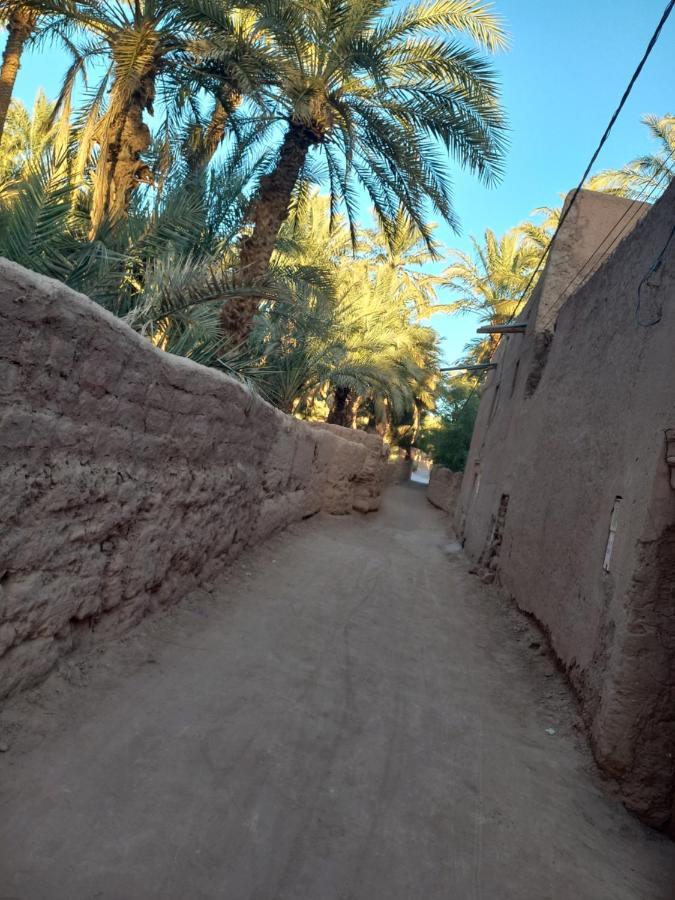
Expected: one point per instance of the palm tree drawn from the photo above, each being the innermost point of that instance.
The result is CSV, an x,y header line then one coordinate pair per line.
x,y
493,281
378,330
231,62
346,343
140,41
403,254
22,19
27,135
651,171
148,45
380,93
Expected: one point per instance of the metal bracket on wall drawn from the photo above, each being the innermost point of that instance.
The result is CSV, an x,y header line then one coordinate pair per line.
x,y
670,454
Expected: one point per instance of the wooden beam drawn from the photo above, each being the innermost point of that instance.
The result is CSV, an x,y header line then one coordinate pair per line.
x,y
502,329
479,367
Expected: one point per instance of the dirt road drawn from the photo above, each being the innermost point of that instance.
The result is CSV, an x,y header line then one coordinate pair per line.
x,y
348,715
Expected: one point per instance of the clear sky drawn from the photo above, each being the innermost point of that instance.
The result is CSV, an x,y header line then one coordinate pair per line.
x,y
568,65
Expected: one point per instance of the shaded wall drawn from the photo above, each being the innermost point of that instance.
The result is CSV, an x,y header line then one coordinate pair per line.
x,y
567,497
443,488
399,470
128,475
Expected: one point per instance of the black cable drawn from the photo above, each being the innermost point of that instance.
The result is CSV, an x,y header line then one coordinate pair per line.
x,y
654,268
644,196
636,74
630,211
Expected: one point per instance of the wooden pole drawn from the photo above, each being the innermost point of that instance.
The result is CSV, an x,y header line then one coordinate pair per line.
x,y
501,329
479,367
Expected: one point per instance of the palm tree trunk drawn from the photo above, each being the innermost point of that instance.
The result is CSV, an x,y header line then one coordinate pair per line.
x,y
19,28
267,213
417,420
342,411
203,144
356,406
124,139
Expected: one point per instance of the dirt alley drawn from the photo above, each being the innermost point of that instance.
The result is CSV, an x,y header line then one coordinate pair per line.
x,y
348,714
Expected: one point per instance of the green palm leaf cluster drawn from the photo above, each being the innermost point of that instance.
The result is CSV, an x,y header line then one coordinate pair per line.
x,y
370,99
350,343
494,281
647,176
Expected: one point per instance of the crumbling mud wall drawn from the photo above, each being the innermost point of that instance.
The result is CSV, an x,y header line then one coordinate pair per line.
x,y
568,498
443,488
362,491
398,470
129,476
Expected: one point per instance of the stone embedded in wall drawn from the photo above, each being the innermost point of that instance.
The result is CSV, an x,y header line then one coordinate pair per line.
x,y
487,565
129,476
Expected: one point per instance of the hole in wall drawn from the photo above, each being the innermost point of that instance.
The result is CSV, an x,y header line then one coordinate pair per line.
x,y
515,377
542,346
611,536
488,562
495,403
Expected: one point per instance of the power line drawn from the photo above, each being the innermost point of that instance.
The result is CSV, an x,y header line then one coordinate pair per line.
x,y
653,269
632,210
644,196
566,211
636,74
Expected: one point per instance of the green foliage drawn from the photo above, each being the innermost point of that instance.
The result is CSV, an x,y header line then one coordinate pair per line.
x,y
494,281
386,92
328,316
446,437
646,177
349,324
26,136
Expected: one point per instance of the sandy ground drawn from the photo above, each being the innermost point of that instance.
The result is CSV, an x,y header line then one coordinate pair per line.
x,y
347,715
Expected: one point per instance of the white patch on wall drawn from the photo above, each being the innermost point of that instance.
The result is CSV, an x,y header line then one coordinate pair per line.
x,y
476,485
611,537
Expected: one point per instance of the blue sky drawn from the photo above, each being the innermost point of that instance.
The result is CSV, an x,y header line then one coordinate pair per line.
x,y
568,65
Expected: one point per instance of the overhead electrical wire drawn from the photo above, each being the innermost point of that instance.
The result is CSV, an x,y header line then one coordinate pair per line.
x,y
643,197
636,74
615,115
585,271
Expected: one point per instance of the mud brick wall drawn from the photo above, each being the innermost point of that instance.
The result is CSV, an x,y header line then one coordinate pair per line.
x,y
443,488
568,494
129,476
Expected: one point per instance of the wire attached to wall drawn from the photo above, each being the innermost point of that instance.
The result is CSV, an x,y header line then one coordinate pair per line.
x,y
615,115
636,74
653,270
644,196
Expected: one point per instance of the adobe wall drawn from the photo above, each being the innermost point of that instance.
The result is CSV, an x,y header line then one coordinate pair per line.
x,y
399,470
128,476
443,488
551,459
595,223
